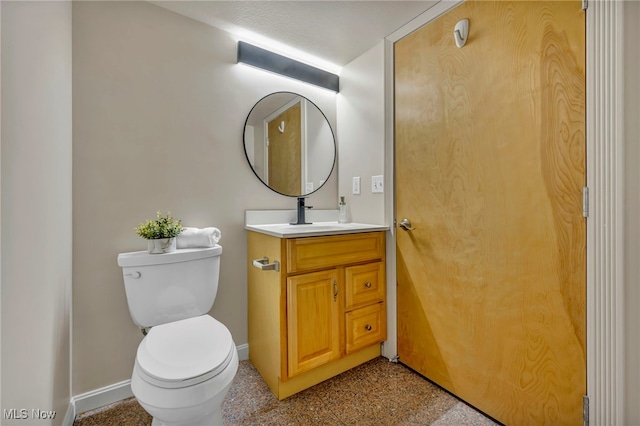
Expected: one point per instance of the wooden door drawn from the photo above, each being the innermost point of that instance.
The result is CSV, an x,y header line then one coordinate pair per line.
x,y
285,152
490,166
313,333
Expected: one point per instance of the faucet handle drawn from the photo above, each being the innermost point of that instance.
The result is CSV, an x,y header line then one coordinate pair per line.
x,y
308,207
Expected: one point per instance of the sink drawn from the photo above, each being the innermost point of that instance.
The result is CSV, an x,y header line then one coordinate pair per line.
x,y
286,230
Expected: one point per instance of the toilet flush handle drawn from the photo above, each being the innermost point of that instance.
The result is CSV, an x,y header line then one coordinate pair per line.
x,y
134,275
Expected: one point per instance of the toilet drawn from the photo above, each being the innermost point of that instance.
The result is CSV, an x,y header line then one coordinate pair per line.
x,y
186,362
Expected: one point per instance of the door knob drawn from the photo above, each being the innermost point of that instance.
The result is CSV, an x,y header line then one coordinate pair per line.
x,y
406,225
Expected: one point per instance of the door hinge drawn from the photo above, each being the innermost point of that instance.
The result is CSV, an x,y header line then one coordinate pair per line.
x,y
585,4
585,410
585,201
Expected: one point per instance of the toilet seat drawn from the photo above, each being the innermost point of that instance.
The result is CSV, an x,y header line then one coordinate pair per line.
x,y
184,353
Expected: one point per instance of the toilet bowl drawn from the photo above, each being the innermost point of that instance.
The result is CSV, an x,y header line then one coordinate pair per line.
x,y
186,363
183,371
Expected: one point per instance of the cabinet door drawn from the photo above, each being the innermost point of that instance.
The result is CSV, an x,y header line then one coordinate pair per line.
x,y
312,320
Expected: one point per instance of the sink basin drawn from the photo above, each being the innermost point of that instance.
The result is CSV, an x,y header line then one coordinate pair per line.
x,y
286,230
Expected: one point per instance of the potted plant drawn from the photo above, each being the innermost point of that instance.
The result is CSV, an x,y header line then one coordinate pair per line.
x,y
161,233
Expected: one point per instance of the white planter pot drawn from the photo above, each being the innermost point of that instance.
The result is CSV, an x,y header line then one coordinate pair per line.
x,y
162,245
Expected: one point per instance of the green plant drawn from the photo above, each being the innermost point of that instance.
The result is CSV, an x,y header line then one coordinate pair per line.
x,y
161,227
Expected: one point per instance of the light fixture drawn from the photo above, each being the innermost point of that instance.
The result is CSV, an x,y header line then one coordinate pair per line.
x,y
269,61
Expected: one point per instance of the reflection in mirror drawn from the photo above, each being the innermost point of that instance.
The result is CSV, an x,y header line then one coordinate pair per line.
x,y
289,144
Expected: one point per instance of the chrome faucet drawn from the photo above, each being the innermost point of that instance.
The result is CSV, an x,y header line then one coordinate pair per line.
x,y
301,210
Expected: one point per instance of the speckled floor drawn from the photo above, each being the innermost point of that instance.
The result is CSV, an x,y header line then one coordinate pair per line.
x,y
377,393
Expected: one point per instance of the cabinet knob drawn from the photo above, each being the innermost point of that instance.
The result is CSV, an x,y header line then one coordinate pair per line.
x,y
367,284
368,327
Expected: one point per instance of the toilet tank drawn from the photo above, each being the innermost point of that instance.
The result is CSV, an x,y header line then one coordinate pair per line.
x,y
168,287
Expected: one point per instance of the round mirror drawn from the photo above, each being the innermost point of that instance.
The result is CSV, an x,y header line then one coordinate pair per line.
x,y
289,144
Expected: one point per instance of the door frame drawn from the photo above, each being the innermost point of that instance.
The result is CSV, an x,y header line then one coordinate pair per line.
x,y
605,180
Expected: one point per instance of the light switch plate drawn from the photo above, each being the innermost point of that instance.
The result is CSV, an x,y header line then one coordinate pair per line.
x,y
355,187
377,184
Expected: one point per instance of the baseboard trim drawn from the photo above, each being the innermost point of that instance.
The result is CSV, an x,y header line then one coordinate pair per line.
x,y
116,392
104,396
95,399
70,415
243,352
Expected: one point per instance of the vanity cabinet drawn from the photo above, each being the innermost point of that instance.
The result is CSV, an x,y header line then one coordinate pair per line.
x,y
320,312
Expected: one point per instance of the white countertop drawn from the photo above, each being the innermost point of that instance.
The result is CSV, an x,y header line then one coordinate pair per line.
x,y
323,222
286,230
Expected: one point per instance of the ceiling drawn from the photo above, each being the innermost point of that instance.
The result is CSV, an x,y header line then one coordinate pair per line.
x,y
334,31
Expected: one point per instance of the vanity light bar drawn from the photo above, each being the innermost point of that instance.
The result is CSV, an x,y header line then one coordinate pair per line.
x,y
269,61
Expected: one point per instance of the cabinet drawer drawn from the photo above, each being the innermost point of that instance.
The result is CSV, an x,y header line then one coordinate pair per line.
x,y
364,285
327,252
365,327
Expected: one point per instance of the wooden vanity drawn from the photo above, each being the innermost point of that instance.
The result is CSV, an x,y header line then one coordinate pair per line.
x,y
317,313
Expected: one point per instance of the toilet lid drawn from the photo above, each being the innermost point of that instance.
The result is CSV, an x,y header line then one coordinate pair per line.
x,y
186,349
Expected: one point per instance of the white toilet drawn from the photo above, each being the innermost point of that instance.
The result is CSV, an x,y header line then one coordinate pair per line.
x,y
186,363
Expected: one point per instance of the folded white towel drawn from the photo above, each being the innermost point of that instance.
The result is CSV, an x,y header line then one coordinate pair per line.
x,y
197,238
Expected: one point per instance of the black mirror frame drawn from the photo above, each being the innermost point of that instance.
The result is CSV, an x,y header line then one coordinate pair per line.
x,y
244,143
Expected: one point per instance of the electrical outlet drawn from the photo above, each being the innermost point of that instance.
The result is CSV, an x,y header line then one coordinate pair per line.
x,y
355,187
377,184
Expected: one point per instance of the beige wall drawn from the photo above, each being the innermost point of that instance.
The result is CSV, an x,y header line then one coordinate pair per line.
x,y
36,208
361,126
632,211
159,106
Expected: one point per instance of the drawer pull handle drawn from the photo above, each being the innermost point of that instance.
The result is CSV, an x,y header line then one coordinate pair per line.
x,y
335,290
367,284
368,327
264,264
